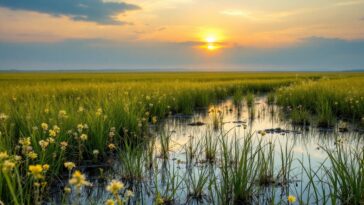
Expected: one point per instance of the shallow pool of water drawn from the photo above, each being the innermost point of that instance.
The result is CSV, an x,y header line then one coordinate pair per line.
x,y
177,157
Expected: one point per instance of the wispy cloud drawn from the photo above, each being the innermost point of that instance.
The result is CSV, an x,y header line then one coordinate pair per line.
x,y
85,10
349,3
234,12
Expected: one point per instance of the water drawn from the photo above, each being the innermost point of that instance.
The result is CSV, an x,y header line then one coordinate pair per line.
x,y
185,136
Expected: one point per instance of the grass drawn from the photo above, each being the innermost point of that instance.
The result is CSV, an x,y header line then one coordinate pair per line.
x,y
53,118
326,98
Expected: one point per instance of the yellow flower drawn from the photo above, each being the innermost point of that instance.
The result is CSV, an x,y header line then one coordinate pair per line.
x,y
115,186
110,202
80,127
44,126
46,110
78,179
43,144
56,129
69,165
129,193
32,155
8,165
112,146
83,137
62,114
64,145
17,157
50,140
67,190
36,171
4,155
25,141
99,112
45,167
52,133
81,109
154,119
291,199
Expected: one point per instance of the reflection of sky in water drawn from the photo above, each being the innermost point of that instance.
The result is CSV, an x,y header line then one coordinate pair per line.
x,y
305,143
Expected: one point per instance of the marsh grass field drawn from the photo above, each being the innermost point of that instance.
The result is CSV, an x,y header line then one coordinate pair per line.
x,y
112,138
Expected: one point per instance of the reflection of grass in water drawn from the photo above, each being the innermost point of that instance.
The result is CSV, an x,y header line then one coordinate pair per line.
x,y
132,160
342,176
217,117
250,99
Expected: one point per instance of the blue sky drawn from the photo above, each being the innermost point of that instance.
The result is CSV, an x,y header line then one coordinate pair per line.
x,y
180,35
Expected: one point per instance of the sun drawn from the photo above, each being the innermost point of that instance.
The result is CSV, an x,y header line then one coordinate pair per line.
x,y
211,42
210,39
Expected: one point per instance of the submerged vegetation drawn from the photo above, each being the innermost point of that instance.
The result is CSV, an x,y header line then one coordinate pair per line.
x,y
54,127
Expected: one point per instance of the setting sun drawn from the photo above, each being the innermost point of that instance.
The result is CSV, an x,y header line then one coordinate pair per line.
x,y
211,42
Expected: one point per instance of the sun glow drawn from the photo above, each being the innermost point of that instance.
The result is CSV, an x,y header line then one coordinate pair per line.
x,y
211,40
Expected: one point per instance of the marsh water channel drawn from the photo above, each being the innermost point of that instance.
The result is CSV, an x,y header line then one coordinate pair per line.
x,y
185,162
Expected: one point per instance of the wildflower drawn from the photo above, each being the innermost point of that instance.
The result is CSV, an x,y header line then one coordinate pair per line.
x,y
154,119
99,112
64,145
67,190
62,114
56,129
45,167
44,126
52,133
115,186
43,144
17,157
36,171
111,134
46,110
3,117
110,202
50,140
112,146
129,193
69,165
80,127
80,109
78,179
25,141
291,199
4,155
32,155
83,137
96,152
8,165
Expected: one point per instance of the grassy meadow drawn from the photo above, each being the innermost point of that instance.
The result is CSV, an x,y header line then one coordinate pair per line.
x,y
53,125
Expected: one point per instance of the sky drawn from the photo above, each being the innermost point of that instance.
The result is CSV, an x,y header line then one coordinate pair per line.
x,y
211,35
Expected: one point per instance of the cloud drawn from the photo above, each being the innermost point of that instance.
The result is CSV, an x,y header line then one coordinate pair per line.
x,y
84,10
349,3
234,12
